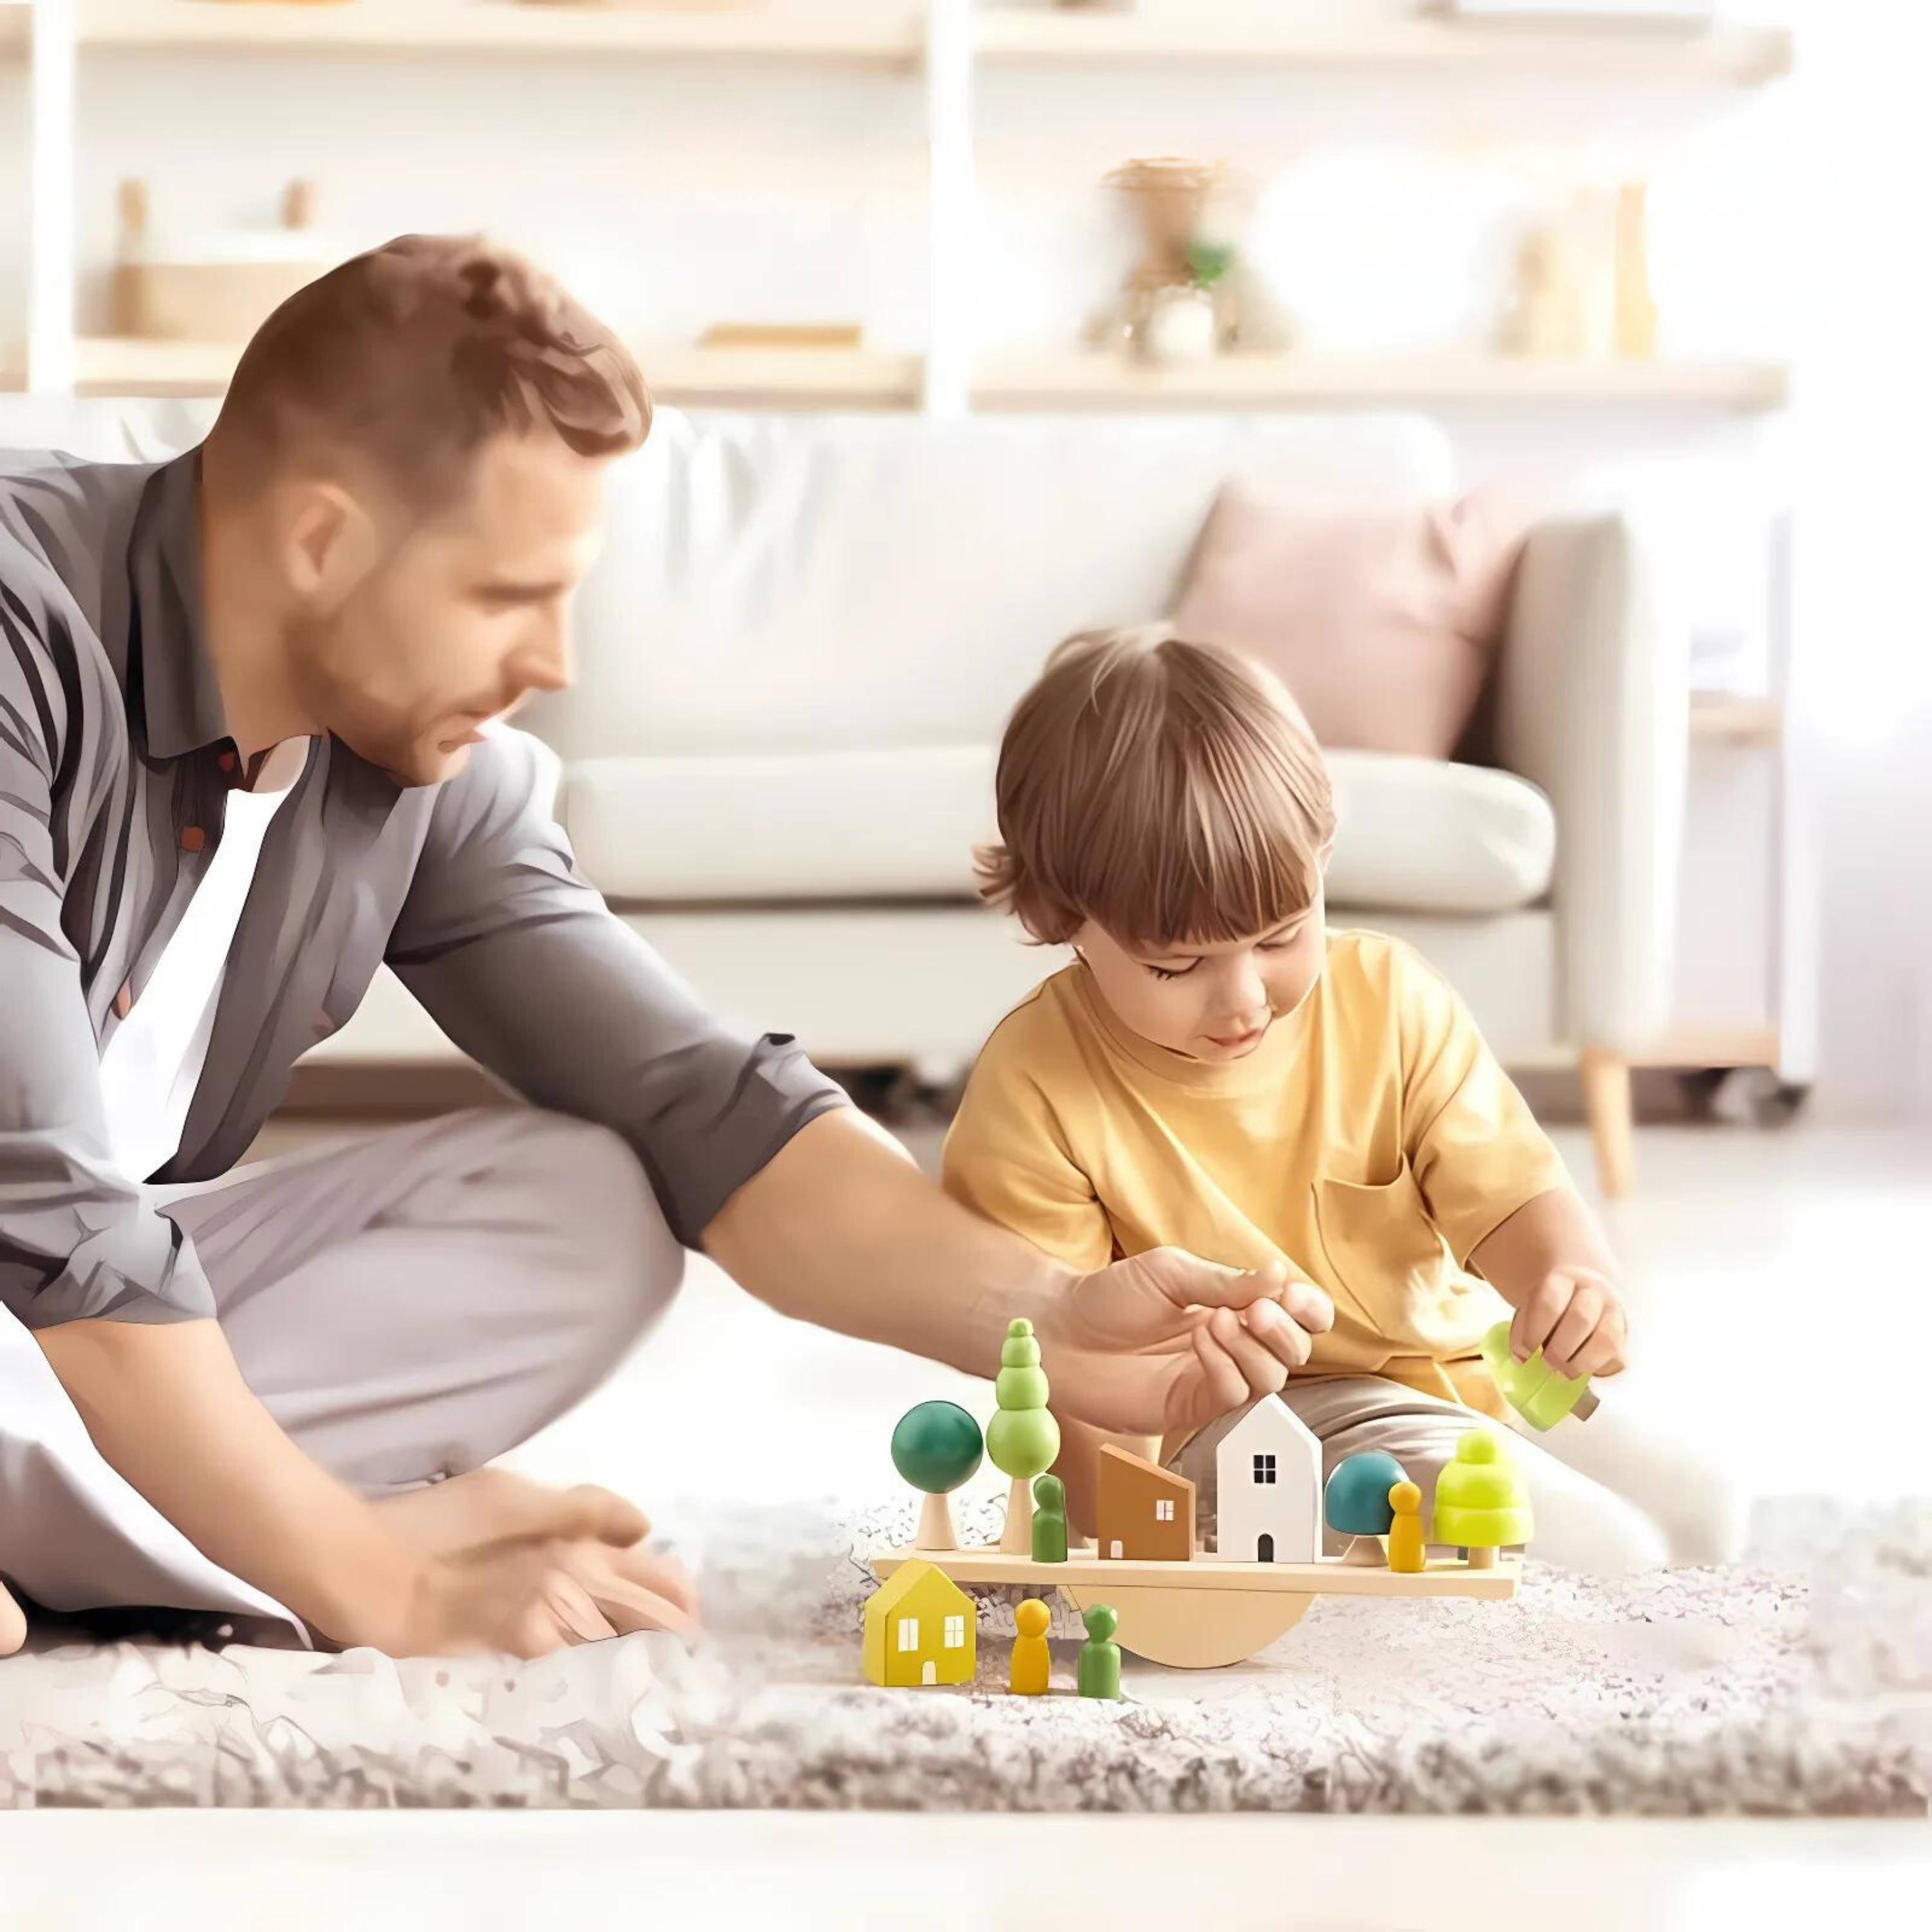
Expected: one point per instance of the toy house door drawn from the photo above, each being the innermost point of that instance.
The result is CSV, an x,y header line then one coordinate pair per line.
x,y
1264,1548
928,1673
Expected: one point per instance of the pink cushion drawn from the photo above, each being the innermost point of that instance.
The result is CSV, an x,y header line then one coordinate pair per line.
x,y
1383,623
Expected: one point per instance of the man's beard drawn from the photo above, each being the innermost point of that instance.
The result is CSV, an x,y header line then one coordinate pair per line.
x,y
379,735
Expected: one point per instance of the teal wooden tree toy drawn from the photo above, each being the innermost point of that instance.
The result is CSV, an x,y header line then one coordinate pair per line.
x,y
1049,1520
1533,1389
1357,1503
1022,1438
936,1447
1100,1665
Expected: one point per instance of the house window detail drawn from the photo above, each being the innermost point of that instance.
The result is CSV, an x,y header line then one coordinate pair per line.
x,y
955,1632
908,1633
1163,1509
1263,1468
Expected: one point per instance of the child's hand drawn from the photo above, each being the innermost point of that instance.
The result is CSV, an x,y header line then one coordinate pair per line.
x,y
1576,1316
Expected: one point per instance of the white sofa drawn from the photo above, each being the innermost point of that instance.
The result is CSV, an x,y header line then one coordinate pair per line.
x,y
797,652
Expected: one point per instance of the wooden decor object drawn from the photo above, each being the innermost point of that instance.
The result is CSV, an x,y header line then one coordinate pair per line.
x,y
218,287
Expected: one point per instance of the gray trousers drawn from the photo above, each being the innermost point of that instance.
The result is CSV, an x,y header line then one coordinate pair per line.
x,y
1614,1493
408,1306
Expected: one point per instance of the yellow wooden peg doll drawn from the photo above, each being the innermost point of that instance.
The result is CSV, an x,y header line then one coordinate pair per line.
x,y
1404,1542
1033,1663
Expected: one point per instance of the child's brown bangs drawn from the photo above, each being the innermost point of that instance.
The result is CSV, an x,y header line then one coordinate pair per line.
x,y
1190,853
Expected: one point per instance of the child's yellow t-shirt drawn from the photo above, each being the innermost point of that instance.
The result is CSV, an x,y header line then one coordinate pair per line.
x,y
1371,1141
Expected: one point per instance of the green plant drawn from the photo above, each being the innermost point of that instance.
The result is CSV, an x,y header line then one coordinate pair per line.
x,y
1209,262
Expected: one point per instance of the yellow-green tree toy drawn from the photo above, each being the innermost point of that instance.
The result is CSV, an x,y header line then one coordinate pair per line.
x,y
1022,1438
1533,1389
1482,1502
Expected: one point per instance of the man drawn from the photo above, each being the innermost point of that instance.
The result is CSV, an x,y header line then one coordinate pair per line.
x,y
251,747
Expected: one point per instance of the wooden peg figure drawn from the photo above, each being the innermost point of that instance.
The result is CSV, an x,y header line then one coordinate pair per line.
x,y
1405,1550
1049,1520
1032,1666
1099,1673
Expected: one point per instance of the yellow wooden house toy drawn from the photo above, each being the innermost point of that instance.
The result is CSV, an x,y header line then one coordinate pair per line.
x,y
920,1629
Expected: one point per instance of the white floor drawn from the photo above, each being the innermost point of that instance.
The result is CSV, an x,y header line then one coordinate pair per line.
x,y
413,1871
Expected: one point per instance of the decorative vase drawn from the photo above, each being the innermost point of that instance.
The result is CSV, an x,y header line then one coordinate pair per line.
x,y
1180,328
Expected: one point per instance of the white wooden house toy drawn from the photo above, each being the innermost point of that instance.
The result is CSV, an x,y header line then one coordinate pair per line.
x,y
1267,1481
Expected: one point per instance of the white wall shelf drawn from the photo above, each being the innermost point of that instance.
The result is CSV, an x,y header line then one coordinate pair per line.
x,y
1095,382
844,379
461,27
1716,56
1741,56
877,379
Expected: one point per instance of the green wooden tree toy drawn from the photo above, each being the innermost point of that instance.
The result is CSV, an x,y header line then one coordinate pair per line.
x,y
1533,1389
1022,1438
1356,1501
936,1447
1049,1520
1482,1501
1100,1663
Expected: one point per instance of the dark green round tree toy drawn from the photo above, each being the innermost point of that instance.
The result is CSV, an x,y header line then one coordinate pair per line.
x,y
936,1447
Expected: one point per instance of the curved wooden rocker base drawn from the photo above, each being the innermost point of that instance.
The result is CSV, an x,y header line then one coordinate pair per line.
x,y
1212,1611
1177,1628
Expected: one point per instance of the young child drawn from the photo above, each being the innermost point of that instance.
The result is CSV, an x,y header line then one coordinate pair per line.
x,y
1218,1071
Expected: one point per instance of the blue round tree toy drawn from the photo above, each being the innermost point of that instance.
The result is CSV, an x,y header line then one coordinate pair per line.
x,y
1356,1504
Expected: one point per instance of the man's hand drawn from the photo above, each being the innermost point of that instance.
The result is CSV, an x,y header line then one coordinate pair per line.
x,y
1575,1315
513,1566
1166,1341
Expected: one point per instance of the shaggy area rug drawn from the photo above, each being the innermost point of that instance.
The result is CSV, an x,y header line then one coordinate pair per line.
x,y
1799,1684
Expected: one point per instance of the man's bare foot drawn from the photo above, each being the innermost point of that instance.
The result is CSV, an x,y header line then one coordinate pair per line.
x,y
12,1623
614,1588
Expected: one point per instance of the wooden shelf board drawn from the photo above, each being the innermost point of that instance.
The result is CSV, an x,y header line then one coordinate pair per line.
x,y
1077,381
1738,55
1719,719
823,378
741,378
1330,1578
497,27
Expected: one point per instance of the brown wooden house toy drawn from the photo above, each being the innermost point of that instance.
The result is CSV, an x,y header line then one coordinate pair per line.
x,y
1144,1513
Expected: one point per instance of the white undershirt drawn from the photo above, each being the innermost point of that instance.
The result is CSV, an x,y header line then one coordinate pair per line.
x,y
153,1059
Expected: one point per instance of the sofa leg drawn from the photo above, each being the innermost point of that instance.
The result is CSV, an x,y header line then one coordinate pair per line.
x,y
1606,1100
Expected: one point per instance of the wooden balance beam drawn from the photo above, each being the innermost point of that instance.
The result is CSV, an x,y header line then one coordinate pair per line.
x,y
1213,1611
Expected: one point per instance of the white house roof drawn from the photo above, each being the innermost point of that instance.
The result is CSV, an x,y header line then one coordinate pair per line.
x,y
1267,1420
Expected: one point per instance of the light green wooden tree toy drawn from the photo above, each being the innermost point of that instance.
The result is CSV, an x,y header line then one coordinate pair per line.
x,y
1482,1502
1022,1438
1533,1389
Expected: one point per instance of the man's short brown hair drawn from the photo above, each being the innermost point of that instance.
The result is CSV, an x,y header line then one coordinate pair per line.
x,y
1170,792
411,355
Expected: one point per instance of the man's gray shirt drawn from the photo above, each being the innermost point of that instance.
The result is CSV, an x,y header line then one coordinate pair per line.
x,y
114,765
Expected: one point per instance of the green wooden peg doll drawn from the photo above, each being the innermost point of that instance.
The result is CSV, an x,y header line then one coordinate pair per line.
x,y
1049,1520
1099,1669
